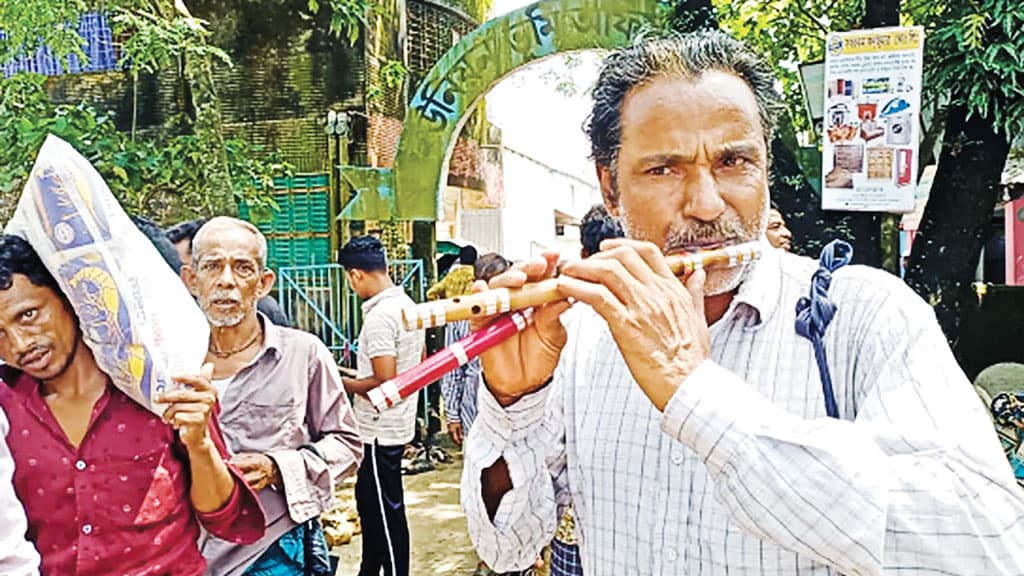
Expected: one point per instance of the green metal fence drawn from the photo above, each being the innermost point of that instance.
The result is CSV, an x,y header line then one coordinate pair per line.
x,y
299,231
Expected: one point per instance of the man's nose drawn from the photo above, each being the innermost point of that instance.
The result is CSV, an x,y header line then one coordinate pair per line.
x,y
702,199
19,341
226,276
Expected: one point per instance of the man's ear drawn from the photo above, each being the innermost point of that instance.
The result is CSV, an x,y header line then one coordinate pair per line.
x,y
188,276
267,279
609,190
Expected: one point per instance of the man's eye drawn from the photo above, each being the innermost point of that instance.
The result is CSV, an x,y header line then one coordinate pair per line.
x,y
659,171
29,314
734,161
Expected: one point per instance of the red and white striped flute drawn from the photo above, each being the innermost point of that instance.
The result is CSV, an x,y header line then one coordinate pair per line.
x,y
503,300
444,361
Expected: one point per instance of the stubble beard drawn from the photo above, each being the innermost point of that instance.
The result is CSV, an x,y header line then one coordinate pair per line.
x,y
728,226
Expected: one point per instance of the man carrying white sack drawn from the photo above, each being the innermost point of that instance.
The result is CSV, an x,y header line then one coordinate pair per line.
x,y
108,487
284,410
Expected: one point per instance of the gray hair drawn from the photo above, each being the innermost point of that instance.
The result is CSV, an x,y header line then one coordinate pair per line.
x,y
678,55
223,222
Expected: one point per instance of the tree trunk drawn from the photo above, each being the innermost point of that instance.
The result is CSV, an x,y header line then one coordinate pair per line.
x,y
208,126
957,218
880,13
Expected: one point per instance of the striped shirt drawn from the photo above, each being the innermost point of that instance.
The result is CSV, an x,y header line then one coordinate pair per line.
x,y
382,334
460,385
743,474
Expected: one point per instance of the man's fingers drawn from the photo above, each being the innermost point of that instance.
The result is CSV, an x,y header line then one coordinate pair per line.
x,y
512,278
633,252
609,272
598,296
198,383
186,396
199,408
180,419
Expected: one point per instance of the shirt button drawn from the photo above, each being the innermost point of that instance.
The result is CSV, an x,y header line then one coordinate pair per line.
x,y
671,554
677,458
80,465
87,529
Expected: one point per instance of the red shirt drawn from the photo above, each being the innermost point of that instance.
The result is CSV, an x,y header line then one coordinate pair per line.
x,y
119,503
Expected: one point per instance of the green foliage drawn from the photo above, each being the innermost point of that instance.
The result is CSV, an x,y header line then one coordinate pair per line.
x,y
159,176
27,25
788,33
392,74
155,42
348,17
974,53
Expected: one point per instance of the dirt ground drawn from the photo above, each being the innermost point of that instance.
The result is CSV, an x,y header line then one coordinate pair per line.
x,y
440,543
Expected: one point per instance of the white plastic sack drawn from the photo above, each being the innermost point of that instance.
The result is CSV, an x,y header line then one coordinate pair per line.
x,y
135,315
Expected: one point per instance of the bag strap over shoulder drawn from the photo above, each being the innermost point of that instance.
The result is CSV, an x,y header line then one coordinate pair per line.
x,y
815,311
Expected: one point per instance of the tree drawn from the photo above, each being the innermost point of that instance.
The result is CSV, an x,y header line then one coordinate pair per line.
x,y
974,56
160,175
160,35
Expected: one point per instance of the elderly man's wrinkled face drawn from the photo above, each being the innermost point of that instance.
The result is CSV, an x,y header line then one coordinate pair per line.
x,y
692,168
227,277
38,330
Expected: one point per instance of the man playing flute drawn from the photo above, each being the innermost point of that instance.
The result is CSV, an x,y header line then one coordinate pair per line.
x,y
687,420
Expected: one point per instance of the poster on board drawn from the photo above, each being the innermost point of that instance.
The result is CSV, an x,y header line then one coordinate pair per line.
x,y
872,119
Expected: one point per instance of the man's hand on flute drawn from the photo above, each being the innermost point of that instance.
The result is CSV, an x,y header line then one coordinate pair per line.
x,y
656,319
523,363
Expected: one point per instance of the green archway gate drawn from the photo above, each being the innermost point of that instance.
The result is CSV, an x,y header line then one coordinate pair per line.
x,y
444,100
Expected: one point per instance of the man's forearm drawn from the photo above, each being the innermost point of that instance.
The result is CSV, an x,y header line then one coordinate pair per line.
x,y
212,482
495,482
361,385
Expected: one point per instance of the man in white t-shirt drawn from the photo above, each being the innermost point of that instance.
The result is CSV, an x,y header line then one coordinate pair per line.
x,y
385,349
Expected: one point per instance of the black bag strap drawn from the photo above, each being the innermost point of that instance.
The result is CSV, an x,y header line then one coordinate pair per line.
x,y
815,311
311,529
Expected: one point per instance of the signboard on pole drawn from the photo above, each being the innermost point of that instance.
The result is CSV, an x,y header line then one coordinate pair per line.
x,y
872,119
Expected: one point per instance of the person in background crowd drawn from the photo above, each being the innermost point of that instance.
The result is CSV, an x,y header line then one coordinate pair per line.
x,y
459,386
385,349
181,235
1001,389
284,411
687,419
17,555
777,233
108,487
597,225
458,280
160,241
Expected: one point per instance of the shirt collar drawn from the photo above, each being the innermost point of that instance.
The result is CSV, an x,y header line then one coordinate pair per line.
x,y
273,338
380,297
760,290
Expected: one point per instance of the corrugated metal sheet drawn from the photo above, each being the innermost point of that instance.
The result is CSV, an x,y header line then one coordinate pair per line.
x,y
483,229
